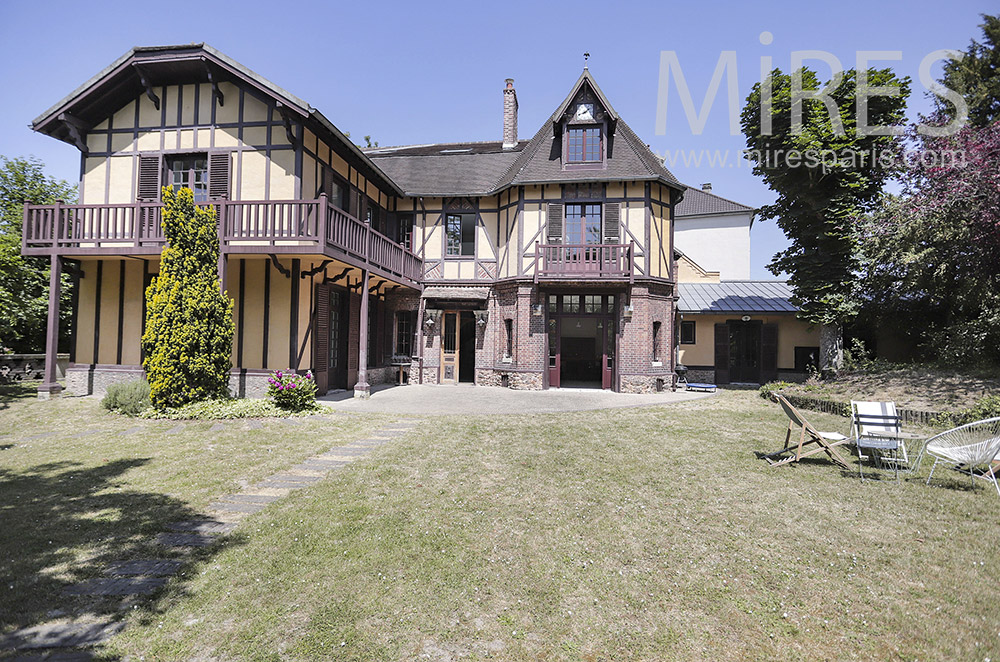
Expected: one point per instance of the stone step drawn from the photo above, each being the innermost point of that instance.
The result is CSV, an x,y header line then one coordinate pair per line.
x,y
237,507
280,485
290,477
150,567
116,586
185,539
62,635
208,526
259,499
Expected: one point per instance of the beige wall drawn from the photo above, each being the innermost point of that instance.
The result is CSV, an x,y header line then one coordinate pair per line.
x,y
792,333
690,272
263,166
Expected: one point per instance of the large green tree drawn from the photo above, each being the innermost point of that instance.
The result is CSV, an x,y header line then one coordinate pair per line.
x,y
24,281
188,340
825,167
976,76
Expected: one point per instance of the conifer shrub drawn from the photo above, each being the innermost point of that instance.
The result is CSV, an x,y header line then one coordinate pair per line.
x,y
129,398
189,320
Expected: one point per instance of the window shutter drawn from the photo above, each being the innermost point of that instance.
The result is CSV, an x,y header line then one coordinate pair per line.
x,y
555,222
612,222
321,342
722,353
218,175
328,184
149,178
769,352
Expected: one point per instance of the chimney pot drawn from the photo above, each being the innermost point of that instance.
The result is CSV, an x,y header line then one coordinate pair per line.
x,y
509,115
707,186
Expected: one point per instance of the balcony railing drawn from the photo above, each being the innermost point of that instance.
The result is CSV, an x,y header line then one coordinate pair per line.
x,y
270,226
583,260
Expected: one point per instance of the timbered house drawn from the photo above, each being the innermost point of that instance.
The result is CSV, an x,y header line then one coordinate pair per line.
x,y
532,264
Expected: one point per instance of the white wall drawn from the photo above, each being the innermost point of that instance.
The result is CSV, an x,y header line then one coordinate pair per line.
x,y
717,243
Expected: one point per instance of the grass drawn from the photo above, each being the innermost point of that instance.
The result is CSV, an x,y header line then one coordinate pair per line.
x,y
80,487
643,534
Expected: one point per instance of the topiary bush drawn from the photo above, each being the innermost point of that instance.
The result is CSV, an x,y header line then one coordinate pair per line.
x,y
188,340
130,398
292,392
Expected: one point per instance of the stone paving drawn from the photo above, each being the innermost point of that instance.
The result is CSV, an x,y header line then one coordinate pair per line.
x,y
67,641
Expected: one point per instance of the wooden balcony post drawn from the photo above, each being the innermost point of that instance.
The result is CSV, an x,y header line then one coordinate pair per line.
x,y
362,389
24,226
50,388
223,258
322,219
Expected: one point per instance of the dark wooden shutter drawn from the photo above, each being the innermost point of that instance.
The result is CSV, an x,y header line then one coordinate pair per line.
x,y
149,178
218,175
612,222
554,218
769,352
321,339
722,353
328,185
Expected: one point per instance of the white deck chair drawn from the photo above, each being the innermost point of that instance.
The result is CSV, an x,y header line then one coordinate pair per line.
x,y
967,447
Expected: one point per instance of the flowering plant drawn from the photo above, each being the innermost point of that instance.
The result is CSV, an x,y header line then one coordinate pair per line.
x,y
291,391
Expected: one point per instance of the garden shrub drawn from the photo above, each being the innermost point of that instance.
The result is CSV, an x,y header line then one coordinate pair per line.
x,y
986,407
188,341
291,391
768,390
130,398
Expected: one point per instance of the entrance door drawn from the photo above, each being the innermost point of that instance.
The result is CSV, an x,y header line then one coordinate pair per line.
x,y
466,347
744,352
449,348
330,357
608,360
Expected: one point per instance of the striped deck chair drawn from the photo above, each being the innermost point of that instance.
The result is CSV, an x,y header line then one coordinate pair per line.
x,y
810,440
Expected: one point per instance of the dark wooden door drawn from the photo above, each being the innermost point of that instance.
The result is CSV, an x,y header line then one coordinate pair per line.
x,y
744,352
608,358
722,353
337,339
449,348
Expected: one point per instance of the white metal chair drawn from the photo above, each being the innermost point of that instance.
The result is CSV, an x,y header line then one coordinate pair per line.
x,y
967,447
875,427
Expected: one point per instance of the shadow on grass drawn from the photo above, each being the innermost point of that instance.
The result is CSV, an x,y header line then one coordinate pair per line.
x,y
63,522
19,390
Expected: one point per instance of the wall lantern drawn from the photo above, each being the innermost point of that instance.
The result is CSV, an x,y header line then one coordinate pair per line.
x,y
481,317
627,311
537,309
430,317
745,318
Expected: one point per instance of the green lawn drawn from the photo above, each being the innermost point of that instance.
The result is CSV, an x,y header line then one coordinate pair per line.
x,y
622,534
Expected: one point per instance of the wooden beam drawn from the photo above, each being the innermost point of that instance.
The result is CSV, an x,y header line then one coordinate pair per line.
x,y
287,120
146,84
309,273
214,83
342,275
277,265
77,130
51,387
362,389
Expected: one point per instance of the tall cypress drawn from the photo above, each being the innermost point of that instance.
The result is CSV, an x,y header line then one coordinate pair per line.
x,y
189,319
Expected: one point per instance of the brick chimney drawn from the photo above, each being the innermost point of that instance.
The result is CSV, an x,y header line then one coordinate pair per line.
x,y
509,115
707,186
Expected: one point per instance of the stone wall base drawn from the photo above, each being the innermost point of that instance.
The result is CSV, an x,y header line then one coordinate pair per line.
x,y
644,383
701,376
517,380
430,375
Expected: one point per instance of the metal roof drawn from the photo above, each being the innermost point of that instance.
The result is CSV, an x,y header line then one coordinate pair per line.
x,y
457,293
736,296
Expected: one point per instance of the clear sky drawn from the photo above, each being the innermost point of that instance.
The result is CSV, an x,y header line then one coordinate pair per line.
x,y
418,72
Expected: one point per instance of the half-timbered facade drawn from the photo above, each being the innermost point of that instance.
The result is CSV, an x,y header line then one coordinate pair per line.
x,y
528,264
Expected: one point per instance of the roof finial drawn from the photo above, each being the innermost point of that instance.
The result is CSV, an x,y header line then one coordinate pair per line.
x,y
586,56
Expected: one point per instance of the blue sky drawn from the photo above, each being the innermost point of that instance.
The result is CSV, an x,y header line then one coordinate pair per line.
x,y
433,72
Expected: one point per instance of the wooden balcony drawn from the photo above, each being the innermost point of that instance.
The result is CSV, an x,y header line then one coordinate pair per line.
x,y
584,261
245,227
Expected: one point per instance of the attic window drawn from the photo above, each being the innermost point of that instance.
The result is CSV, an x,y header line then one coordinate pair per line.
x,y
583,144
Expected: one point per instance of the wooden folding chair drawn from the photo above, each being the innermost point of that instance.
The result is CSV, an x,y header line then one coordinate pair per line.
x,y
824,442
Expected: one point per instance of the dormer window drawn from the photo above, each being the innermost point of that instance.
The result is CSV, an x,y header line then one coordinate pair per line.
x,y
583,144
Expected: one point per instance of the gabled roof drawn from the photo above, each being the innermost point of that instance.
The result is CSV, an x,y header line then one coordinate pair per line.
x,y
697,202
123,80
484,167
446,168
735,296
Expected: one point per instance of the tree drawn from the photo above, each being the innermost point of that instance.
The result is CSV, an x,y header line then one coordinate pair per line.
x,y
24,281
824,169
930,255
976,77
189,320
